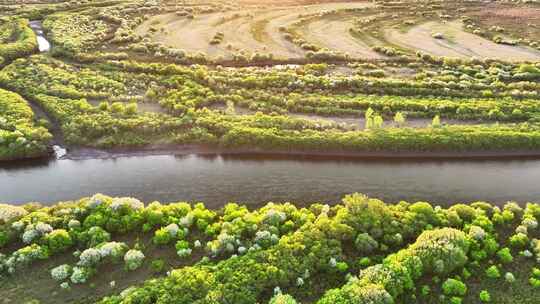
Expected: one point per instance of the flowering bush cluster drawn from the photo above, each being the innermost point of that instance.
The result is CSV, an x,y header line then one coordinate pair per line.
x,y
374,251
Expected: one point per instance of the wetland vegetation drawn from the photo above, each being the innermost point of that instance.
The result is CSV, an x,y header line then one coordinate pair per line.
x,y
372,79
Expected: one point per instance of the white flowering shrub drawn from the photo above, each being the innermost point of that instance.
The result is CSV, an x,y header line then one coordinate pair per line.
x,y
224,243
509,277
61,273
25,256
96,200
269,243
43,228
80,275
10,213
112,250
74,224
274,217
522,229
530,223
133,259
30,235
332,262
184,253
265,238
126,202
477,233
187,220
447,246
172,229
18,226
89,257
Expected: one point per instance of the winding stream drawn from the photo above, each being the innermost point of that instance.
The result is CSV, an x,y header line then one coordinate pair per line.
x,y
43,43
219,179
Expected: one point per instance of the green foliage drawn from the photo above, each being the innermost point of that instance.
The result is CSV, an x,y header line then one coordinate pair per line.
x,y
365,244
484,296
24,44
282,299
157,266
452,287
398,271
519,240
493,272
20,136
58,240
505,256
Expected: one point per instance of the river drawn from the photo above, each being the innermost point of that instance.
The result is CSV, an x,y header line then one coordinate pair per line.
x,y
219,179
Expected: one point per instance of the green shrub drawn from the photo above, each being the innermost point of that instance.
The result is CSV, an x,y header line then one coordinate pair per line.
x,y
485,297
364,262
58,240
157,265
519,240
365,243
505,256
282,299
453,287
493,272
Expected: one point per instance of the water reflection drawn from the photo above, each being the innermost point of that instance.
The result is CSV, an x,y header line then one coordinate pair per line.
x,y
218,179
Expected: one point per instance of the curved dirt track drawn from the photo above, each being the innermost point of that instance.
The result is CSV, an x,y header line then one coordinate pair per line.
x,y
333,33
456,43
255,30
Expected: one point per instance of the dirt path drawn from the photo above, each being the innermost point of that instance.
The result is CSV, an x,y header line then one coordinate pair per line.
x,y
456,43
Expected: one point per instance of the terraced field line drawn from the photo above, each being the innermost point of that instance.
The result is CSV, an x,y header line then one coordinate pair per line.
x,y
333,32
456,43
256,30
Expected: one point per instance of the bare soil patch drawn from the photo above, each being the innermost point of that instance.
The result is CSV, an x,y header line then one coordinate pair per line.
x,y
518,21
334,34
456,43
253,30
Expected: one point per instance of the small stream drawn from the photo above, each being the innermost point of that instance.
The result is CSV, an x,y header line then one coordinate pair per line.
x,y
43,44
